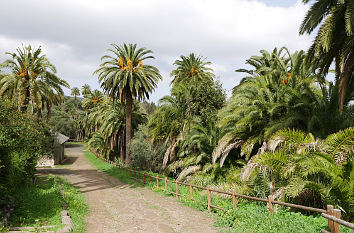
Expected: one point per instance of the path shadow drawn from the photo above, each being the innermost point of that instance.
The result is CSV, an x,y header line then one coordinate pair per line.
x,y
69,160
86,180
72,145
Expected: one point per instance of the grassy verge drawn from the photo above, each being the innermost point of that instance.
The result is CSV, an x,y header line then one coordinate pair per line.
x,y
248,217
77,206
40,205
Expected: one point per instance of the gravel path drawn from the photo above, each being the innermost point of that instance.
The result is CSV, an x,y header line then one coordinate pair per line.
x,y
117,207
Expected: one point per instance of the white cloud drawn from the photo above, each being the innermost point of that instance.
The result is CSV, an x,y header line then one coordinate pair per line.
x,y
75,34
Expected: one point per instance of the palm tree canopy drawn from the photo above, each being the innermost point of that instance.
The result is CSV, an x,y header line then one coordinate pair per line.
x,y
125,72
33,78
191,67
280,93
86,89
75,91
334,41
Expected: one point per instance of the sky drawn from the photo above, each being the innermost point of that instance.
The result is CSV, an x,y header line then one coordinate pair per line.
x,y
75,34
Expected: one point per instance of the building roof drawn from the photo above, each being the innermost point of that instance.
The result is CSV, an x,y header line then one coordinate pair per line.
x,y
61,137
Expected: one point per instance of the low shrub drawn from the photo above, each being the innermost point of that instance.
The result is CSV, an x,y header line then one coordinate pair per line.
x,y
143,155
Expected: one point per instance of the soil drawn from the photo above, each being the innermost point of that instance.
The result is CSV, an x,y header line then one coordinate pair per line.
x,y
117,207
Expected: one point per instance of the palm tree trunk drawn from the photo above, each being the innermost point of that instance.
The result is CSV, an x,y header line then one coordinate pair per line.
x,y
49,110
39,113
344,81
121,148
128,125
272,184
26,99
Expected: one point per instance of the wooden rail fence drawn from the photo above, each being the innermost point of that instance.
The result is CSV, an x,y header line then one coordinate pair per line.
x,y
333,215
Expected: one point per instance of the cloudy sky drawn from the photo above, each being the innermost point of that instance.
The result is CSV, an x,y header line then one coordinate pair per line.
x,y
76,33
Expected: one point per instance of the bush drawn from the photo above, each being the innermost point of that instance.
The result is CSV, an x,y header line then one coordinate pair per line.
x,y
143,155
22,140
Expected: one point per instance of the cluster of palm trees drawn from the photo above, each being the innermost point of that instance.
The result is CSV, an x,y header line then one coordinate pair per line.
x,y
184,120
283,90
32,81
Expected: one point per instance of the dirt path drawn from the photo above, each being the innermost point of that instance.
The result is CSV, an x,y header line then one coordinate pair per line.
x,y
116,207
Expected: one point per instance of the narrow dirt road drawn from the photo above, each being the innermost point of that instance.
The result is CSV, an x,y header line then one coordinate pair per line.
x,y
116,207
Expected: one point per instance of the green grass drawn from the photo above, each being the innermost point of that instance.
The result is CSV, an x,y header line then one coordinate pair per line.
x,y
248,217
77,206
41,204
102,166
77,143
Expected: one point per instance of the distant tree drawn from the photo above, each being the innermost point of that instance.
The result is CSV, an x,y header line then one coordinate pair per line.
x,y
75,92
149,107
85,90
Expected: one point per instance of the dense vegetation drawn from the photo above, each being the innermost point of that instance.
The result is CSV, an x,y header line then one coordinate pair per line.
x,y
31,210
286,131
248,217
26,92
22,140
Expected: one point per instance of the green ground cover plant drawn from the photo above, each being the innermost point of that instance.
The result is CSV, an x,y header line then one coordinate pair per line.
x,y
248,217
40,205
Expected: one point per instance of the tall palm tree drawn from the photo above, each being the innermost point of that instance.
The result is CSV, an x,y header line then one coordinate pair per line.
x,y
85,90
75,92
33,77
191,68
124,76
334,40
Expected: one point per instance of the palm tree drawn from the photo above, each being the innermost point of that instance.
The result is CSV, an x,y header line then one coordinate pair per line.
x,y
195,149
85,90
279,95
170,121
124,76
75,92
334,41
296,162
33,78
191,67
8,86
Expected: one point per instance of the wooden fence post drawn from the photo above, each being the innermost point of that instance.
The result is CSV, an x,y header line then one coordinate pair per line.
x,y
209,199
336,226
157,181
166,183
270,204
330,222
177,187
190,192
234,200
